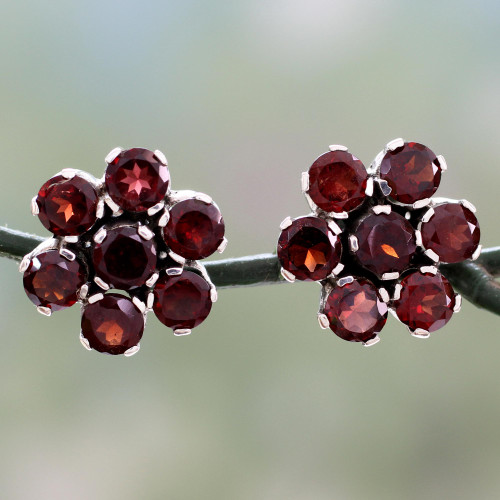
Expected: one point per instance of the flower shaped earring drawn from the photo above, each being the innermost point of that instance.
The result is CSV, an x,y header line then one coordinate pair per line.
x,y
122,246
375,239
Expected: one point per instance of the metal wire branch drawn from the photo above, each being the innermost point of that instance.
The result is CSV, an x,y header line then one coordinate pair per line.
x,y
474,280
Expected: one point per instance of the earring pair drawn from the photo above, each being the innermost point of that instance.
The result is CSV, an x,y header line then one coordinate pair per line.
x,y
128,244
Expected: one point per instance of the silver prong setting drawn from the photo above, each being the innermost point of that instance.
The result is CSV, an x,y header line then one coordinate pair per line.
x,y
390,276
285,223
35,209
458,303
420,333
442,163
369,187
139,304
288,275
381,209
85,343
132,350
323,321
395,144
100,236
161,157
432,255
67,254
180,332
372,342
304,182
145,233
468,205
477,252
353,243
222,246
345,280
44,311
112,155
156,208
429,270
337,147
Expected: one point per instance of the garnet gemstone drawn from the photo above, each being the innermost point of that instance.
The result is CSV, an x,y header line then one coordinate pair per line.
x,y
124,259
113,324
355,311
412,172
426,301
137,180
452,232
337,182
67,206
386,243
52,281
309,249
195,229
183,301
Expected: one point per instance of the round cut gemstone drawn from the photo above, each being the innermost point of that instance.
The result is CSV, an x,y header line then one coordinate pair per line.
x,y
355,311
183,301
113,324
426,301
412,172
137,180
124,260
309,249
337,182
52,281
67,207
195,229
386,243
452,232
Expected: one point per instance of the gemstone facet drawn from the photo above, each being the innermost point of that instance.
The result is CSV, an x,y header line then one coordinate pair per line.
x,y
426,301
452,232
113,324
183,301
137,180
386,243
337,181
67,207
309,249
412,172
355,311
52,281
195,229
124,259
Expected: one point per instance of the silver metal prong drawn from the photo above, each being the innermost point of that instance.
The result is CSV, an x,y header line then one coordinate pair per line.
x,y
420,333
335,228
164,219
369,186
427,216
222,245
112,155
100,235
213,294
323,321
304,182
339,215
353,243
145,233
174,271
442,163
373,341
458,303
67,254
477,252
384,295
338,269
337,147
100,209
180,260
288,275
287,222
418,238
421,203
156,208
397,291
205,198
46,311
384,187
25,263
432,255
152,280
161,157
150,300
84,290
71,239
139,304
345,280
114,206
390,276
469,205
68,173
395,144
132,350
381,209
95,298
35,209
101,283
179,332
85,342
428,270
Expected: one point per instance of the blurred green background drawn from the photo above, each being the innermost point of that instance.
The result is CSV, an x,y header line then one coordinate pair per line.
x,y
258,403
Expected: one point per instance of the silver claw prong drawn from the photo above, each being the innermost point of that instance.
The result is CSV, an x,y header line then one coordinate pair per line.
x,y
373,341
468,204
35,209
384,187
384,295
95,298
101,283
395,144
369,186
442,163
145,233
429,270
150,300
335,228
132,350
25,263
420,333
161,157
390,276
85,342
164,219
213,294
205,198
427,216
45,311
337,147
338,269
156,208
458,303
112,155
421,203
288,275
345,280
179,332
381,209
100,209
287,222
477,252
353,243
304,182
71,239
67,254
152,280
432,255
397,291
223,245
100,235
139,304
174,271
68,173
83,292
418,238
323,321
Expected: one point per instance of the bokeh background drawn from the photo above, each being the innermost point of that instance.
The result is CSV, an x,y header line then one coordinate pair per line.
x,y
258,403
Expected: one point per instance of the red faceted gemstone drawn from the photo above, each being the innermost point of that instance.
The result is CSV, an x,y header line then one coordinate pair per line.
x,y
195,229
113,324
452,232
337,182
137,180
52,281
183,301
386,243
67,206
309,249
412,172
426,301
355,311
124,260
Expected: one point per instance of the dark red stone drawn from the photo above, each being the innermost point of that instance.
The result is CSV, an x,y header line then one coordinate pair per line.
x,y
452,232
136,179
124,260
426,301
309,249
67,206
113,324
195,229
386,243
355,311
412,172
337,181
53,281
183,301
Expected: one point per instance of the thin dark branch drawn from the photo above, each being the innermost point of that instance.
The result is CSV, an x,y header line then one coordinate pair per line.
x,y
474,280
